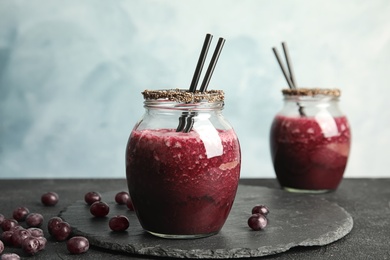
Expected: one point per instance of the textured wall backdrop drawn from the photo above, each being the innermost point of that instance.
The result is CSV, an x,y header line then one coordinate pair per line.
x,y
71,73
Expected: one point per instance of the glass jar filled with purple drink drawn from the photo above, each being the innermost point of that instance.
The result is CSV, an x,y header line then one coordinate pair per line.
x,y
183,164
310,140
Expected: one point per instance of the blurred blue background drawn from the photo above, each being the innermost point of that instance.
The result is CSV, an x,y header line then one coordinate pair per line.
x,y
72,72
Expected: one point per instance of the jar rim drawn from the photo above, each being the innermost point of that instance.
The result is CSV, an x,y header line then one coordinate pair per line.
x,y
312,92
184,96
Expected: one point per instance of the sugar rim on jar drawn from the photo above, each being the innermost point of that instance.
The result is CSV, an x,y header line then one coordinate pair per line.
x,y
312,92
184,96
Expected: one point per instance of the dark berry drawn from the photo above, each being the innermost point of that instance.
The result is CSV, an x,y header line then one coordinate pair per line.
x,y
34,220
10,256
17,227
49,198
119,223
8,224
99,209
130,205
18,236
91,197
6,237
1,247
20,213
261,209
53,223
122,197
257,221
1,218
61,231
35,232
30,245
77,245
42,243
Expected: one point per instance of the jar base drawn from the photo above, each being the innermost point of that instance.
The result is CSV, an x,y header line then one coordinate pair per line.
x,y
295,190
172,236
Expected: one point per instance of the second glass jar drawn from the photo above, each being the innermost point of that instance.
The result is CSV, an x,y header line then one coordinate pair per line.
x,y
310,141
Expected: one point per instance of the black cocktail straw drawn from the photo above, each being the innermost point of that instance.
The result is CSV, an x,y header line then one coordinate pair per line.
x,y
290,78
198,70
212,65
201,60
290,84
289,65
182,122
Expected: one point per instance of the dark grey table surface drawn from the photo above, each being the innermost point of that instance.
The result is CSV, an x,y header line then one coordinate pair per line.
x,y
367,200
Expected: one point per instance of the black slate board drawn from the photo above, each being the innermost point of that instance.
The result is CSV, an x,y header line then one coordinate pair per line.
x,y
294,220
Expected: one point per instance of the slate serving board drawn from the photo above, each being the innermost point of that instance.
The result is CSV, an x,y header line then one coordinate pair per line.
x,y
294,220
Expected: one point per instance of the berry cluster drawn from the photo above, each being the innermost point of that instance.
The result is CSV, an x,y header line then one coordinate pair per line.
x,y
30,237
258,220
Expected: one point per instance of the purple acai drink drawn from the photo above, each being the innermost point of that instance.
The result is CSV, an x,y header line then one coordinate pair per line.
x,y
306,159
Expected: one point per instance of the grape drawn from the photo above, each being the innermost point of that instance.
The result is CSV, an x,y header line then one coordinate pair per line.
x,y
52,223
91,197
50,198
8,224
99,209
6,237
1,246
257,221
61,231
119,223
30,245
42,243
17,227
261,209
10,256
77,245
34,220
130,205
122,197
35,232
20,213
18,236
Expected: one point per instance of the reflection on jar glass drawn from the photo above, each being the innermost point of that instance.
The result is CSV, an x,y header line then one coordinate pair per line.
x,y
310,141
183,180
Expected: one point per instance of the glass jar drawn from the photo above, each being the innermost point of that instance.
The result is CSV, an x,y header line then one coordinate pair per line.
x,y
183,164
310,141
